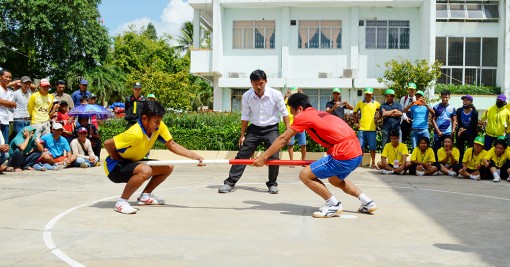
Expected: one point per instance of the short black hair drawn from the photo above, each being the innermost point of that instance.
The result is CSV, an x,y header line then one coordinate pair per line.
x,y
447,137
61,82
153,108
426,139
3,71
501,142
395,133
84,98
64,103
257,75
299,99
445,92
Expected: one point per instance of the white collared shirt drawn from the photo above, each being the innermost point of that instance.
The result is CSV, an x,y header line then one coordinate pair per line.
x,y
263,111
5,94
405,102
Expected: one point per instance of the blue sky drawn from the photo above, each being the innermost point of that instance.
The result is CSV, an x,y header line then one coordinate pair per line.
x,y
166,15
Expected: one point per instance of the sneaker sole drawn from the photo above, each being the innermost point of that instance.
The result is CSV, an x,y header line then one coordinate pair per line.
x,y
125,212
224,192
150,204
318,215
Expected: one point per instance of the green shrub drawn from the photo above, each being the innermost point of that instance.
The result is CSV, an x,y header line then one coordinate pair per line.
x,y
468,89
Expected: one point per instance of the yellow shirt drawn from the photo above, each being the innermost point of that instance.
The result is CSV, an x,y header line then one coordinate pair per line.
x,y
471,160
39,107
427,157
392,153
497,120
291,117
498,161
367,121
441,155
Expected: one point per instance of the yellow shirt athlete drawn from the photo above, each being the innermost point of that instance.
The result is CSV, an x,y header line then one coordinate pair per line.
x,y
427,157
472,161
441,155
392,153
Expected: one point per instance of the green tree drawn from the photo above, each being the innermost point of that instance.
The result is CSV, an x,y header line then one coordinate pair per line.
x,y
51,38
150,32
108,82
401,72
185,40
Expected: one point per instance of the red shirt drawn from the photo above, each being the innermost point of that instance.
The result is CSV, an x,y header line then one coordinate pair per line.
x,y
64,119
330,132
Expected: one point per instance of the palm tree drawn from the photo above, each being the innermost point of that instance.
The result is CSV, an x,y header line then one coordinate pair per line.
x,y
185,40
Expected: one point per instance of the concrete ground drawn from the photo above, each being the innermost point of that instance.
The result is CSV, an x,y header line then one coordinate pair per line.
x,y
67,218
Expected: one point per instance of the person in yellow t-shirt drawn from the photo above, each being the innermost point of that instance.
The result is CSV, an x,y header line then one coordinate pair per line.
x,y
368,109
126,149
40,109
448,157
394,156
423,159
301,137
496,159
472,163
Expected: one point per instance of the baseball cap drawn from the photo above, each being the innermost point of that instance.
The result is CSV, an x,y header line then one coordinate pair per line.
x,y
502,97
82,129
502,137
45,82
479,140
84,82
389,92
137,85
369,90
151,96
412,86
25,79
420,92
468,97
57,126
337,90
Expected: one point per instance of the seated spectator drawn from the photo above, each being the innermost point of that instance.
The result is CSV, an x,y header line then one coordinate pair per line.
x,y
496,159
82,148
448,157
423,159
66,121
394,156
25,150
472,162
93,134
4,148
58,150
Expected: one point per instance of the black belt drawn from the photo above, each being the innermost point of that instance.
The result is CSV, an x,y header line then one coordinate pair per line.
x,y
21,119
264,127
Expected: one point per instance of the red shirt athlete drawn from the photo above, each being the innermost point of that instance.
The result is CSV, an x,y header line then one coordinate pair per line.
x,y
344,155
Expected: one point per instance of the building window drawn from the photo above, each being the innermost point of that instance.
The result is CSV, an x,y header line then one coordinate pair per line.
x,y
387,34
258,34
467,60
322,34
476,11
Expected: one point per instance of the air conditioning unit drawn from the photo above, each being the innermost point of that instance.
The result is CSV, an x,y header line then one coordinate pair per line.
x,y
236,75
325,75
350,73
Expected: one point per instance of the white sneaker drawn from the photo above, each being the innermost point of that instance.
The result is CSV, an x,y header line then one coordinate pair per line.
x,y
436,173
124,207
460,176
327,211
496,179
368,208
419,173
387,172
58,167
452,173
475,177
150,200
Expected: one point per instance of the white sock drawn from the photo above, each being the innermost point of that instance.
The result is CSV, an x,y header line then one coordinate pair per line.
x,y
332,201
121,200
364,199
495,174
144,195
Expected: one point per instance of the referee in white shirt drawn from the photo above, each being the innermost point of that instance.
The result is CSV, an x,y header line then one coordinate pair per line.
x,y
262,107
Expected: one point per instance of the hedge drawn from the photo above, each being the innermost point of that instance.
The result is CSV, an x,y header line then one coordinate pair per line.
x,y
468,89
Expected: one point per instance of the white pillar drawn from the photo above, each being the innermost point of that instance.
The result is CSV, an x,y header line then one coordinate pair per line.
x,y
217,95
285,39
505,86
196,28
428,27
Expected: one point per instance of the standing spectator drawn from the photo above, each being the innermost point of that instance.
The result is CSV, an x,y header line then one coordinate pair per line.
x,y
66,121
25,150
406,120
92,101
336,106
391,113
82,148
82,92
40,109
133,105
497,117
301,137
445,120
21,118
59,151
472,163
394,156
61,96
6,103
420,112
93,134
262,107
468,124
368,108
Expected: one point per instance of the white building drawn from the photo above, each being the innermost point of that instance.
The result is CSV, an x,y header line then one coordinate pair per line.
x,y
318,45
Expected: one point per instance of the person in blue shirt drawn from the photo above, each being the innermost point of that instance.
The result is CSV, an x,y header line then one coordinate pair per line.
x,y
82,92
445,120
58,150
420,112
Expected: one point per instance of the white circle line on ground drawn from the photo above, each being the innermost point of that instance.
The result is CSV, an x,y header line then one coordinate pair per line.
x,y
50,244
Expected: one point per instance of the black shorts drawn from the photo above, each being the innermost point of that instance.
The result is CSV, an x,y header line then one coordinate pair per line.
x,y
123,171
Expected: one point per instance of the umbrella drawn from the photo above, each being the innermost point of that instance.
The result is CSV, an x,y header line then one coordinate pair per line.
x,y
91,110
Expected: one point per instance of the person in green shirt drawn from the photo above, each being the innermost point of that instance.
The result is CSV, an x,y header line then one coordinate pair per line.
x,y
25,150
394,156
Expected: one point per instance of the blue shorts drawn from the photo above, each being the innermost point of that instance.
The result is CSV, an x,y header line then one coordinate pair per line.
x,y
301,139
328,166
365,137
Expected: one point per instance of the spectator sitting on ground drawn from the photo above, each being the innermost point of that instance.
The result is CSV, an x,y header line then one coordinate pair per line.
x,y
82,148
59,152
472,163
4,148
93,134
25,150
423,159
496,159
394,156
64,119
448,157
